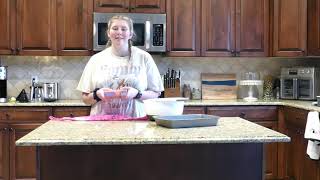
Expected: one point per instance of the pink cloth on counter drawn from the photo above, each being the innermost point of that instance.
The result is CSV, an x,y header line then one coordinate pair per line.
x,y
100,118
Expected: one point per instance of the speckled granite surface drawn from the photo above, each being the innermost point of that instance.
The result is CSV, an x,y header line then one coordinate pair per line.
x,y
228,130
292,103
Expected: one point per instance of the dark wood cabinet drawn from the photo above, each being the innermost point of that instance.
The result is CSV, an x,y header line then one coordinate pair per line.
x,y
7,27
266,116
46,27
134,6
22,158
289,27
228,28
194,110
297,165
313,28
70,111
235,28
36,27
4,152
19,162
183,27
74,27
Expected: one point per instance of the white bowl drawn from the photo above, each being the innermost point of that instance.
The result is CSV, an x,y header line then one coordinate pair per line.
x,y
163,106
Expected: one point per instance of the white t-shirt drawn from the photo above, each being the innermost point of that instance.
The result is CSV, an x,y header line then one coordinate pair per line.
x,y
104,69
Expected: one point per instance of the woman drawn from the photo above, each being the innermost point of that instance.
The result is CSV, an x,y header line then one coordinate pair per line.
x,y
117,79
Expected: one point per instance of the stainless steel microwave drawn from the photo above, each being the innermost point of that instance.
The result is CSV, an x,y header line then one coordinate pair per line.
x,y
150,30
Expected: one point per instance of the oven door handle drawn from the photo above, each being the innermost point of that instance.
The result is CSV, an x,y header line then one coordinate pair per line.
x,y
295,88
147,34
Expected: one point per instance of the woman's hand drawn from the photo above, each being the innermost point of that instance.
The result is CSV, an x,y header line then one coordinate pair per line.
x,y
131,92
106,94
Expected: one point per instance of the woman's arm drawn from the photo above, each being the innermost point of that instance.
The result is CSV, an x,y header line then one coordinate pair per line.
x,y
87,98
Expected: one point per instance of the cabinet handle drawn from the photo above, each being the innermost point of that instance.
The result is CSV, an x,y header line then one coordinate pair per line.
x,y
7,116
233,53
110,5
13,51
71,115
242,115
132,8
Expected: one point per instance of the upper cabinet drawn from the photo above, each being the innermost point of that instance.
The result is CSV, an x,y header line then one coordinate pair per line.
x,y
183,27
36,27
74,27
290,27
235,27
313,27
7,27
134,6
218,27
46,27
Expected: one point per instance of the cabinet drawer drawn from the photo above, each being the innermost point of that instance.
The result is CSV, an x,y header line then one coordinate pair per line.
x,y
295,117
28,114
71,111
194,110
252,113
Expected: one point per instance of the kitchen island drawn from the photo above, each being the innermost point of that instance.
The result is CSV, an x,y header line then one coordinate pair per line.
x,y
139,150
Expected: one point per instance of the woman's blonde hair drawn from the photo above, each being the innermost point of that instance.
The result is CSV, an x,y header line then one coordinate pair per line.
x,y
130,24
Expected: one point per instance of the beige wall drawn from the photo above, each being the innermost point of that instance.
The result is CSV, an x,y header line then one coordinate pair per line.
x,y
67,70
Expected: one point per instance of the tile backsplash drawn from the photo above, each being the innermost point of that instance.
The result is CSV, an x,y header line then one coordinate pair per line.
x,y
66,70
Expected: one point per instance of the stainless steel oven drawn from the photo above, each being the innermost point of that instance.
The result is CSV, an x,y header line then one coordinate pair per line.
x,y
300,83
150,30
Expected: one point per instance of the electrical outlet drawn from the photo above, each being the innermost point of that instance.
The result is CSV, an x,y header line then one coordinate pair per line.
x,y
34,79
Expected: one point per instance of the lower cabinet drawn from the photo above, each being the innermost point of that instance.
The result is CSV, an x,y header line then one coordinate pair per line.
x,y
19,163
297,164
264,115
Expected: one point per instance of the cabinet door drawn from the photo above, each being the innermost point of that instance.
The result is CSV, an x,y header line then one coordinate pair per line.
x,y
218,28
148,6
36,27
293,154
183,27
74,27
252,27
28,114
4,152
22,158
310,169
114,6
290,27
313,27
297,163
270,153
7,27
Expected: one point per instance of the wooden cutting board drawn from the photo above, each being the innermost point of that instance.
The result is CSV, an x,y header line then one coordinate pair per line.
x,y
218,86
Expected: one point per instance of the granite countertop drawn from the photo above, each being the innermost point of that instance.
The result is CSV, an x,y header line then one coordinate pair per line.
x,y
307,105
228,130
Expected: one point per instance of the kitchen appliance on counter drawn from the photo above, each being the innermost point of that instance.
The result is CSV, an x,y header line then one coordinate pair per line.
x,y
300,83
150,30
250,86
3,84
50,91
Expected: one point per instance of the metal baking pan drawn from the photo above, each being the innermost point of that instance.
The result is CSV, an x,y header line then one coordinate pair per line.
x,y
187,120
